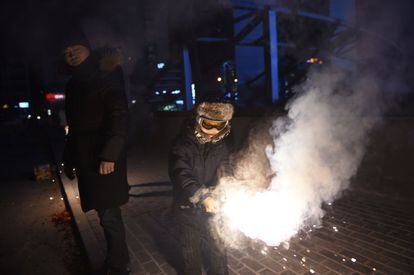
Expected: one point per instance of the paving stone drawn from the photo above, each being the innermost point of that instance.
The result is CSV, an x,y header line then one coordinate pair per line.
x,y
252,264
272,264
288,272
246,271
152,268
233,263
267,272
337,267
168,269
143,257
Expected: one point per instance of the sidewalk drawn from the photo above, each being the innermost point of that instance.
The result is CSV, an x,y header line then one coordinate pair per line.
x,y
361,234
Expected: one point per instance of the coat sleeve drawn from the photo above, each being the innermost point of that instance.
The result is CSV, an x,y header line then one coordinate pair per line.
x,y
68,152
181,171
116,116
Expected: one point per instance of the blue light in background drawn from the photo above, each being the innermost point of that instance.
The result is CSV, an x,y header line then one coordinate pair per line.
x,y
160,66
179,102
24,105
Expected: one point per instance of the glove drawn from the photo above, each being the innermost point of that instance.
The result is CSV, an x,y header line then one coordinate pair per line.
x,y
210,205
70,172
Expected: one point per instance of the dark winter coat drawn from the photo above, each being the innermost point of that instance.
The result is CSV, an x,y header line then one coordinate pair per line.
x,y
97,115
193,165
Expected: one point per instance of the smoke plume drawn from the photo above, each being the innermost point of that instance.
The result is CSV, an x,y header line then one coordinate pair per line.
x,y
315,151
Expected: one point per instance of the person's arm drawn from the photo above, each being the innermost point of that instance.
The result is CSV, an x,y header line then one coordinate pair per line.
x,y
181,171
116,116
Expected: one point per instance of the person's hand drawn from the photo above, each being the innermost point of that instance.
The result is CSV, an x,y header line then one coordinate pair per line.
x,y
106,167
210,205
70,171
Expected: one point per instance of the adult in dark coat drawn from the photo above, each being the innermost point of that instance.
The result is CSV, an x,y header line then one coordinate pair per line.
x,y
198,157
97,116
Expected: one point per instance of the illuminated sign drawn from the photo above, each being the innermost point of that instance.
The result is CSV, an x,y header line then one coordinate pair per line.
x,y
24,105
55,97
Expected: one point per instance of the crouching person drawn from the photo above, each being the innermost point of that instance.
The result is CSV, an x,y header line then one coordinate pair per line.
x,y
194,162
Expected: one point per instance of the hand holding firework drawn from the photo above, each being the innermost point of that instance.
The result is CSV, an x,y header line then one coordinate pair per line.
x,y
211,205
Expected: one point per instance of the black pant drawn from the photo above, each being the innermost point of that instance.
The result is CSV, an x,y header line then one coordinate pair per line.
x,y
117,258
199,244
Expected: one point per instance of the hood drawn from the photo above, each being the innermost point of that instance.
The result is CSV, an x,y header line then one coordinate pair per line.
x,y
106,59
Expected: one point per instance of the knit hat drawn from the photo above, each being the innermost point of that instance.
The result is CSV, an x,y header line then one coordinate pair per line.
x,y
74,37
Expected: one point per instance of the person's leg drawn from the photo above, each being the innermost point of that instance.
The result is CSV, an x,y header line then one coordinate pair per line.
x,y
117,258
189,235
214,252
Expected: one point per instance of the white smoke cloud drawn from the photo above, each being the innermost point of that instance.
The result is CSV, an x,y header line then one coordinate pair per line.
x,y
316,149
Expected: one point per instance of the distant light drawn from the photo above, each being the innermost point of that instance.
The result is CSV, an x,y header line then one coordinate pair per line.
x,y
52,97
219,79
49,112
314,60
164,92
66,133
176,92
29,116
193,92
157,93
160,65
23,105
179,102
5,106
236,80
353,260
38,117
50,198
133,101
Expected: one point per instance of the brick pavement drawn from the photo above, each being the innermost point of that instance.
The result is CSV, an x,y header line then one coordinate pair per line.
x,y
361,234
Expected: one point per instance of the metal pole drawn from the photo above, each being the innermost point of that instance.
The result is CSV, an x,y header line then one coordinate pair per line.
x,y
274,64
188,99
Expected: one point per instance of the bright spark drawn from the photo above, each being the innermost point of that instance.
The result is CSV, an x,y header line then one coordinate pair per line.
x,y
353,260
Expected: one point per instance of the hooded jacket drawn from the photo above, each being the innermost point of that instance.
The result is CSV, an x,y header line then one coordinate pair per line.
x,y
97,115
194,165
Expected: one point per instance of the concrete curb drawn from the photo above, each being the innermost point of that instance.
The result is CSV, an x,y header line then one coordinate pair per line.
x,y
89,240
